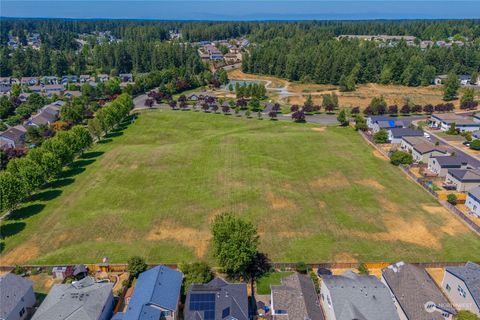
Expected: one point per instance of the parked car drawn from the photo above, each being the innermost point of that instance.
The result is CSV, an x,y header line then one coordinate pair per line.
x,y
466,143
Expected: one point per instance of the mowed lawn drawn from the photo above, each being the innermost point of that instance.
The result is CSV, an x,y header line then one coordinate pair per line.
x,y
315,194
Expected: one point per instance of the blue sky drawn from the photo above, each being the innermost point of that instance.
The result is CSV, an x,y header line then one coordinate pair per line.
x,y
242,10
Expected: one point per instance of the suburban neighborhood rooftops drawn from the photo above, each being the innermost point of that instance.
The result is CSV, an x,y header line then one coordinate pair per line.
x,y
217,299
405,132
423,146
465,175
392,123
16,134
84,299
449,118
470,275
12,289
360,297
156,288
413,288
297,296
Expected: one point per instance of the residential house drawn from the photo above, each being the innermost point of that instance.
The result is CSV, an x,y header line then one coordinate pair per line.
x,y
156,295
440,78
36,89
5,88
421,149
51,89
462,123
13,137
29,81
84,78
83,299
463,179
49,80
464,79
440,165
462,287
233,57
476,134
103,77
69,79
395,135
126,77
352,296
426,44
295,299
70,94
6,80
473,201
23,96
47,115
192,97
376,123
16,297
415,294
217,299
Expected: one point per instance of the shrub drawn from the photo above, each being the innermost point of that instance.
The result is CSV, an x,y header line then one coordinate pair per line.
x,y
301,267
363,269
315,280
196,272
452,199
381,136
475,144
19,270
136,265
401,157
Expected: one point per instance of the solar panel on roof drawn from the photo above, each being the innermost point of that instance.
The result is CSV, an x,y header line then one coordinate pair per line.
x,y
203,302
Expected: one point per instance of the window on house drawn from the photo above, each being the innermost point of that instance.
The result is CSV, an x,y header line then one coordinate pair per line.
x,y
448,287
22,312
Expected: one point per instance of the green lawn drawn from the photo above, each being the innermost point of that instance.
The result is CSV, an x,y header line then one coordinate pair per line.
x,y
264,282
153,188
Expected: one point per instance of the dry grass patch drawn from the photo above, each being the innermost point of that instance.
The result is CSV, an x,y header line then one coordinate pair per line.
x,y
344,257
192,238
319,129
388,205
277,202
21,254
334,180
380,155
371,183
452,225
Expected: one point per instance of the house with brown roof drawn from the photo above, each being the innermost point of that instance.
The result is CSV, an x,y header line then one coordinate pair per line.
x,y
422,149
462,123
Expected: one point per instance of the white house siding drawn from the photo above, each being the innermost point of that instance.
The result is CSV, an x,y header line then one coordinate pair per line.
x,y
325,298
459,302
28,301
417,157
473,204
435,167
460,186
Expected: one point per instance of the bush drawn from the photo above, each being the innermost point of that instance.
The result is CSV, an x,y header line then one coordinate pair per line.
x,y
19,270
315,280
197,272
301,267
381,136
363,269
475,144
452,199
401,157
136,265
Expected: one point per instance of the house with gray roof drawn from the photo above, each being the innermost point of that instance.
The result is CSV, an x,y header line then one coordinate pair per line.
x,y
217,300
156,295
415,294
463,179
473,201
295,299
352,296
462,287
395,135
376,123
16,297
80,300
441,164
13,137
463,123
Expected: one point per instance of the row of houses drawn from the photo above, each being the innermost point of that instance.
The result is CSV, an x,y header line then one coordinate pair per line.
x,y
465,80
403,291
14,137
53,80
210,52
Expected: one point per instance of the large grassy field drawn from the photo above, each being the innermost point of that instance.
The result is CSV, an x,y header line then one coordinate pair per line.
x,y
315,194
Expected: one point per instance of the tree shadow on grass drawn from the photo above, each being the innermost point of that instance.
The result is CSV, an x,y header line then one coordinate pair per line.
x,y
60,183
91,154
82,163
73,171
26,212
105,141
46,195
10,229
114,134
